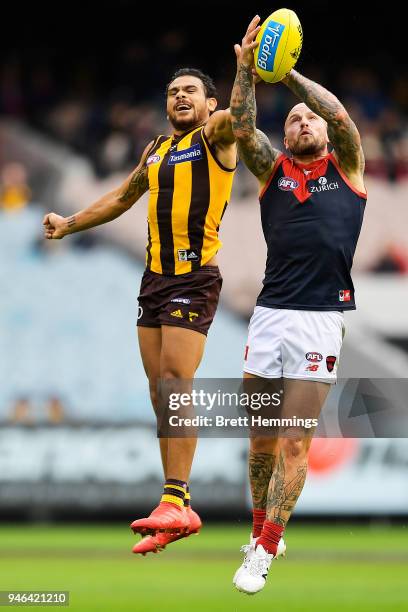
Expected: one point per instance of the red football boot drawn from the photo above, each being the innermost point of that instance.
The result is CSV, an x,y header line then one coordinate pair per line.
x,y
159,541
168,518
195,521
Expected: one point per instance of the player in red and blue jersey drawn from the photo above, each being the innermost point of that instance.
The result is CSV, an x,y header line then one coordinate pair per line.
x,y
312,205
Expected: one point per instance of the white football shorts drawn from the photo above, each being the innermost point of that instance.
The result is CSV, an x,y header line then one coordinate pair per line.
x,y
303,344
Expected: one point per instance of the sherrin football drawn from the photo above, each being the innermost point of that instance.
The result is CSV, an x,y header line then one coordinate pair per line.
x,y
280,42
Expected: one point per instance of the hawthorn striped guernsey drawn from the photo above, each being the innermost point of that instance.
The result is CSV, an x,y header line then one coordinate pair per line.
x,y
311,218
189,192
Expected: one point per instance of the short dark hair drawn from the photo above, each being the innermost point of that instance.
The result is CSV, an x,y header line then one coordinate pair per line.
x,y
209,87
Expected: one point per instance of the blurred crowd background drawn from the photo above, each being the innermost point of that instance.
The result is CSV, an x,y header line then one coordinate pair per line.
x,y
99,88
79,101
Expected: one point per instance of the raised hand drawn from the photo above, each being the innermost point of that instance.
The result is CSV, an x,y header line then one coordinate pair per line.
x,y
245,51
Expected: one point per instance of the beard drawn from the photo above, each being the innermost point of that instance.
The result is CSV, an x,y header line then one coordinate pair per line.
x,y
183,124
307,148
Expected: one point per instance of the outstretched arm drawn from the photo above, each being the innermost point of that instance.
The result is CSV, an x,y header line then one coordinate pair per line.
x,y
342,131
253,146
108,207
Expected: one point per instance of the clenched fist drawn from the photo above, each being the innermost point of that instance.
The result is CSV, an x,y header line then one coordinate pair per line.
x,y
55,226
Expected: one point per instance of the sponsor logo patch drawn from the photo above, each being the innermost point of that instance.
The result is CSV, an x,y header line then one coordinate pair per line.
x,y
330,362
187,255
287,183
344,295
321,184
139,312
177,313
246,352
193,153
181,300
312,367
313,356
192,316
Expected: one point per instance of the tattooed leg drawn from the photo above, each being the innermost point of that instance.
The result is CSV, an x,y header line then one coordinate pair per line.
x,y
287,481
304,399
261,465
262,452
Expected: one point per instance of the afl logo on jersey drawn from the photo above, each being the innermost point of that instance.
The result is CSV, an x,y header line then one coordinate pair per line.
x,y
287,183
153,159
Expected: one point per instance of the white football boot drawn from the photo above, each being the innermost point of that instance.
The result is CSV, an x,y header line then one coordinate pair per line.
x,y
251,576
249,550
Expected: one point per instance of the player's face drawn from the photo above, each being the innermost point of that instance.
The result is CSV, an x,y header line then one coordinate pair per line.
x,y
305,132
187,104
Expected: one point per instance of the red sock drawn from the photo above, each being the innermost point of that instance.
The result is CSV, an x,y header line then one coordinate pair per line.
x,y
270,536
258,517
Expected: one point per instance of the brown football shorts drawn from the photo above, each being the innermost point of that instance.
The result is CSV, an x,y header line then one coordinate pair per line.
x,y
185,300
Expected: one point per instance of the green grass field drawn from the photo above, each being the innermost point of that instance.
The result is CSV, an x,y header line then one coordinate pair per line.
x,y
343,568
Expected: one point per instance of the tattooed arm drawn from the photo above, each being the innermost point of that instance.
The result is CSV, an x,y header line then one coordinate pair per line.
x,y
253,146
108,207
342,131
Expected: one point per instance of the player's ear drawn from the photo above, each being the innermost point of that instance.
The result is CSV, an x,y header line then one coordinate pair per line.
x,y
285,142
212,104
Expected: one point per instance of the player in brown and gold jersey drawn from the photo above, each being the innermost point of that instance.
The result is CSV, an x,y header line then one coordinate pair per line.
x,y
189,177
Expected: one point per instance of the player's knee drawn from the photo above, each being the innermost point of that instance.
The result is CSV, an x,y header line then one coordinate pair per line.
x,y
263,445
172,372
295,447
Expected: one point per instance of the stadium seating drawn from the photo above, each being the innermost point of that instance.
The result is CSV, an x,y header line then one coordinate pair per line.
x,y
68,328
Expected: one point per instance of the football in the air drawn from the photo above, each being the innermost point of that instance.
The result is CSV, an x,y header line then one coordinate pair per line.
x,y
280,42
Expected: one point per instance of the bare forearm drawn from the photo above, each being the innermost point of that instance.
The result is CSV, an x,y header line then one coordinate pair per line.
x,y
317,98
106,209
111,205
